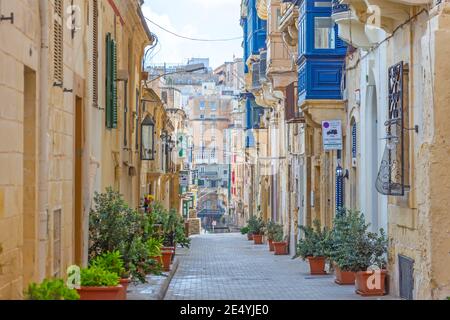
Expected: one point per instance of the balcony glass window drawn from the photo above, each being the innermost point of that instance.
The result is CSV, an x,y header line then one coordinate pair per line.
x,y
324,35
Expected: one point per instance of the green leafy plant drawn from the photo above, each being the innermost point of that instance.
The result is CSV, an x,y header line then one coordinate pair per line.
x,y
245,230
153,246
256,225
172,226
51,289
112,262
274,231
314,243
98,277
278,234
353,247
114,226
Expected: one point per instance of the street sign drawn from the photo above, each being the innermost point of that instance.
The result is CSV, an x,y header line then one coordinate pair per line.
x,y
184,180
332,135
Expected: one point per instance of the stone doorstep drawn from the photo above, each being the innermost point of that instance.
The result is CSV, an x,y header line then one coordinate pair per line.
x,y
156,287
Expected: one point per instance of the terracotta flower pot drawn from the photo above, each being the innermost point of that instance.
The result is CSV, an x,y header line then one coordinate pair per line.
x,y
250,236
158,259
344,277
124,283
280,248
317,265
271,247
371,283
258,238
101,293
166,259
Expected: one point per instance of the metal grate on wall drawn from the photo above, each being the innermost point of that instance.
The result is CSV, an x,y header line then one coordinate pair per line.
x,y
391,175
406,277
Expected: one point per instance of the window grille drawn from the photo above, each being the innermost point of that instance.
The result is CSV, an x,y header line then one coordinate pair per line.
x,y
391,175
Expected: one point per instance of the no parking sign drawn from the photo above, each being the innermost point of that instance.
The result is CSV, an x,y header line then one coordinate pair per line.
x,y
332,135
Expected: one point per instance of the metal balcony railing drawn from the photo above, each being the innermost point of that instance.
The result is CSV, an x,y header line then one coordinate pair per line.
x,y
339,7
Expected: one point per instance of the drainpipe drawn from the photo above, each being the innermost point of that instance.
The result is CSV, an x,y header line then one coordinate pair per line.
x,y
43,140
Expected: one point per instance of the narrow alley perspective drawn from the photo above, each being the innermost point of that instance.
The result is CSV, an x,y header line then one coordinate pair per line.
x,y
235,269
180,152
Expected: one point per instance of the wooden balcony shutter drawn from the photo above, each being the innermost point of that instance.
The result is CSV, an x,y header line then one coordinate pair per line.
x,y
290,102
95,53
111,85
58,54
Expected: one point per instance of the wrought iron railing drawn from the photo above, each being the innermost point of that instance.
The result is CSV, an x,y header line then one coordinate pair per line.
x,y
391,175
338,7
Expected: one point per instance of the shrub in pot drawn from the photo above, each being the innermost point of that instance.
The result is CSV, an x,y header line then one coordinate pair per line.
x,y
358,251
270,233
279,240
257,228
347,226
314,246
370,264
99,284
51,289
114,226
112,262
245,230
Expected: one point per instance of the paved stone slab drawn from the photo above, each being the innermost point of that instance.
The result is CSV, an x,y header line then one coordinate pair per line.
x,y
229,267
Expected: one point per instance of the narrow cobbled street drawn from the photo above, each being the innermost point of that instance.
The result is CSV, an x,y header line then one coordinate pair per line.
x,y
229,267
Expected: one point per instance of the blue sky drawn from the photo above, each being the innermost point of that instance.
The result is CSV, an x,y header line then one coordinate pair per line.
x,y
205,19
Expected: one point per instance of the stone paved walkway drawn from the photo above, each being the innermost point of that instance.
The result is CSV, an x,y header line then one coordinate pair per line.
x,y
229,267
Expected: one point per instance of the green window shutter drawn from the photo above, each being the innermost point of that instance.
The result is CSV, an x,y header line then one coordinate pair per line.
x,y
111,84
114,84
108,96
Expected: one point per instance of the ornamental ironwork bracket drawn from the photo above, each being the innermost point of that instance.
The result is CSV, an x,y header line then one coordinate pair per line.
x,y
391,175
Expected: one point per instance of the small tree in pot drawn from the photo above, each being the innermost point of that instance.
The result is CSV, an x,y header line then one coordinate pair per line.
x,y
360,253
279,240
348,226
314,246
270,233
251,225
257,228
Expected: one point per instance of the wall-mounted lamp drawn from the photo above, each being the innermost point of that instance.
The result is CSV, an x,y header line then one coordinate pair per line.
x,y
148,139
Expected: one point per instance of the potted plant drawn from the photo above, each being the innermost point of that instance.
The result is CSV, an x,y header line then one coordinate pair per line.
x,y
251,224
257,228
51,289
154,246
370,264
279,242
359,256
99,284
112,262
245,230
270,233
114,226
314,247
348,225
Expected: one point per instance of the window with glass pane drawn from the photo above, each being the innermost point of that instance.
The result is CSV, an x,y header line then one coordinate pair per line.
x,y
324,37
